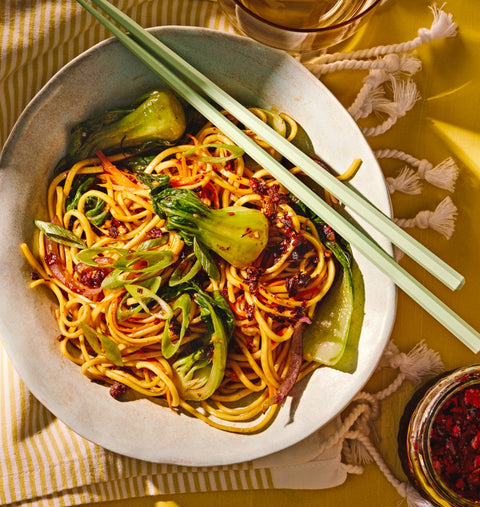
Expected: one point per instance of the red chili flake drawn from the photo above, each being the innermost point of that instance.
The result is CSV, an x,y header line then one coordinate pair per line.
x,y
115,228
276,195
455,443
250,311
250,344
299,311
472,397
92,277
270,194
118,390
50,259
209,351
294,283
154,232
34,275
253,275
258,186
299,240
287,221
475,443
232,376
329,233
269,208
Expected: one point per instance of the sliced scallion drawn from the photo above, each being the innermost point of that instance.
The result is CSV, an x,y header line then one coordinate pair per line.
x,y
143,296
95,339
182,303
59,234
182,273
205,259
235,152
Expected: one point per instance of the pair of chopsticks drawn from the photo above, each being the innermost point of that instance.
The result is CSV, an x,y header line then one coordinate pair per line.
x,y
178,73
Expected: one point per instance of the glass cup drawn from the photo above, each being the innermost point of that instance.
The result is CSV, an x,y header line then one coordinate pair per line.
x,y
439,439
299,26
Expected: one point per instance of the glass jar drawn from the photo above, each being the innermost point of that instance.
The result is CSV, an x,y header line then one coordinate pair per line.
x,y
439,439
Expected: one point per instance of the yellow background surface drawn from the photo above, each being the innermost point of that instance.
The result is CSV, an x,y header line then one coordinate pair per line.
x,y
443,123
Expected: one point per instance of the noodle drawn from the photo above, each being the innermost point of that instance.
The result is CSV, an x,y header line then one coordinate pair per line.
x,y
267,299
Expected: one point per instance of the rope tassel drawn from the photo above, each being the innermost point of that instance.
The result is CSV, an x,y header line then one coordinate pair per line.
x,y
358,448
442,219
395,66
407,182
385,64
444,175
405,95
442,27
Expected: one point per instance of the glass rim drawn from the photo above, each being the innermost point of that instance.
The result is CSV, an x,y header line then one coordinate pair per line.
x,y
278,26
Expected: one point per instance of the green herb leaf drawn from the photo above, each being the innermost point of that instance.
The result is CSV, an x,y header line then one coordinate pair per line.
x,y
184,304
91,336
154,181
124,310
205,259
182,274
90,256
201,372
96,211
77,192
94,339
144,296
235,152
152,243
60,234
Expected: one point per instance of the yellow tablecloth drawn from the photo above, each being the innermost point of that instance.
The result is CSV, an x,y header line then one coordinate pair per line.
x,y
443,123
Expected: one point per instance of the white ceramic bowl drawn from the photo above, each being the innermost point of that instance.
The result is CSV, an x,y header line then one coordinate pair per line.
x,y
106,76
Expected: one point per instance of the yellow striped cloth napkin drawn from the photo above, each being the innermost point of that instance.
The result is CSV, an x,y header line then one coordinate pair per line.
x,y
42,462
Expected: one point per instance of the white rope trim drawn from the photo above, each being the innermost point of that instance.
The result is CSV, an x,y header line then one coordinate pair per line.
x,y
389,65
441,219
443,175
394,67
405,95
442,26
358,448
384,65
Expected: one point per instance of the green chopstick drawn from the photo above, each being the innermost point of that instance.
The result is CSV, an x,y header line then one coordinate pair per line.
x,y
372,215
370,249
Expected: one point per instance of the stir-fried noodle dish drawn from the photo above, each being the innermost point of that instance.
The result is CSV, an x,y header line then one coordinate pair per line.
x,y
183,270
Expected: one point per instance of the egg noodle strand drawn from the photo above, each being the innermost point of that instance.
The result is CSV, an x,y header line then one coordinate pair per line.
x,y
265,304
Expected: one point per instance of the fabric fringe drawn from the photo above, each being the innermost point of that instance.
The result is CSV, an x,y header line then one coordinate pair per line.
x,y
442,27
405,95
441,219
409,181
358,448
389,68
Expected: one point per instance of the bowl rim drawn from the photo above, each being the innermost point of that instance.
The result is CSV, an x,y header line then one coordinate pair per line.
x,y
52,405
